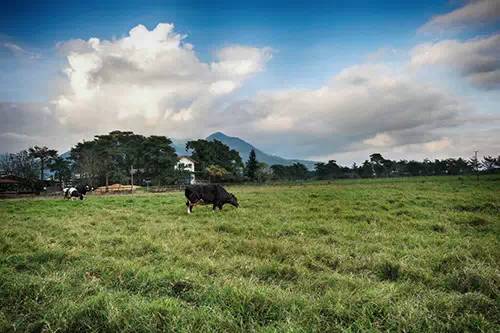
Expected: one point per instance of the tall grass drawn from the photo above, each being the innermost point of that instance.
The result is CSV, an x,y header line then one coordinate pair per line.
x,y
410,255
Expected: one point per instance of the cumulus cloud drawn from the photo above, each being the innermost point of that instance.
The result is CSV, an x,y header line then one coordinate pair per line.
x,y
478,60
149,81
363,106
473,13
380,140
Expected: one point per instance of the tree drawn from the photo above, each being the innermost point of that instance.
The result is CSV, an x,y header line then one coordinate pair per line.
x,y
296,171
21,165
44,155
159,158
490,163
252,165
264,173
61,168
87,164
24,166
366,170
474,165
457,166
216,172
207,153
108,158
379,164
279,171
329,170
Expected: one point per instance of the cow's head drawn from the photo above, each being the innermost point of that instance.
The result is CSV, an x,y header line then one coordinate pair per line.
x,y
233,200
84,189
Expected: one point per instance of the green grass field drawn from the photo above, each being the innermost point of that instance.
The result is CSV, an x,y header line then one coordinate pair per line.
x,y
419,254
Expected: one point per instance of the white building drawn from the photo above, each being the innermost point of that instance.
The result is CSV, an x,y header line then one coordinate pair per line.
x,y
187,164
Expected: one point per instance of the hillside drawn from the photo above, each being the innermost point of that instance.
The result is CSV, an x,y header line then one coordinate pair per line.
x,y
244,149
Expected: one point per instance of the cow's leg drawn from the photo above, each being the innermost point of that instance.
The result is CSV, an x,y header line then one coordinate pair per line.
x,y
220,206
214,207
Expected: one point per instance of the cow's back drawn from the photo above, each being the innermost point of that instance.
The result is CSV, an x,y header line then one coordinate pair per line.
x,y
207,193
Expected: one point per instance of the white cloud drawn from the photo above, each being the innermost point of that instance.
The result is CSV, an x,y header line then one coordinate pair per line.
x,y
437,145
25,124
18,51
363,106
478,59
149,81
380,140
477,12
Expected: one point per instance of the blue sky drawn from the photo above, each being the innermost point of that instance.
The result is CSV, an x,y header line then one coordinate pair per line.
x,y
312,41
304,46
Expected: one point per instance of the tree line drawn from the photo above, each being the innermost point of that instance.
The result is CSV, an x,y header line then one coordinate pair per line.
x,y
111,158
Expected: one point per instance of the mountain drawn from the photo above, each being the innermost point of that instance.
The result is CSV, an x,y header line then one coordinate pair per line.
x,y
244,149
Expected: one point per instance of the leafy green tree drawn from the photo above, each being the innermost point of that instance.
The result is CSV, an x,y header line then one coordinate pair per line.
x,y
490,163
414,168
61,168
279,171
109,157
474,164
44,155
207,153
378,164
328,170
299,171
216,173
87,161
252,166
366,170
457,166
264,173
159,158
296,171
22,165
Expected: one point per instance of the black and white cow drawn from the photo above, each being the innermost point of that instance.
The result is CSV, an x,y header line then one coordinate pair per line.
x,y
208,194
76,192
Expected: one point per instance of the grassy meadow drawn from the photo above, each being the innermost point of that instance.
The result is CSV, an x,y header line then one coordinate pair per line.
x,y
414,255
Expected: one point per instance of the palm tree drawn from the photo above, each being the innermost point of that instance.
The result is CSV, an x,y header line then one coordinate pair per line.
x,y
44,154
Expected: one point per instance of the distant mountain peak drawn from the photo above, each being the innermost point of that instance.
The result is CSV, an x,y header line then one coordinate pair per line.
x,y
218,134
244,148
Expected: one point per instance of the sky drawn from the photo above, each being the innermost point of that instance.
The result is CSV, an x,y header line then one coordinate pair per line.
x,y
324,80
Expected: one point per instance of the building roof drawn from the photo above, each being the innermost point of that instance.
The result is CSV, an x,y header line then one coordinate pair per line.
x,y
186,157
8,181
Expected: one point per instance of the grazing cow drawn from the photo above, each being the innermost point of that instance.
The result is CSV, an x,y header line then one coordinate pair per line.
x,y
76,192
208,194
